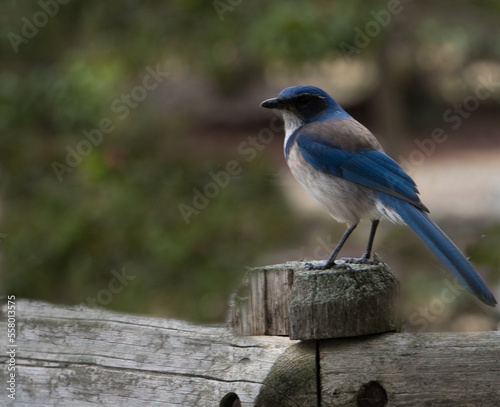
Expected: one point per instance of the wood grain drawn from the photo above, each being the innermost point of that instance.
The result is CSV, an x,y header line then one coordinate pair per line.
x,y
79,356
431,369
360,300
260,304
289,299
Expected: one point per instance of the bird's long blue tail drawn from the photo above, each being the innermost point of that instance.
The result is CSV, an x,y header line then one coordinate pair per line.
x,y
442,247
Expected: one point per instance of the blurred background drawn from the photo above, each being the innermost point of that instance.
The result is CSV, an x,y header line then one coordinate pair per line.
x,y
139,174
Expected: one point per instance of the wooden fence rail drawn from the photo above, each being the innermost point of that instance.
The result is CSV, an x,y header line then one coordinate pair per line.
x,y
80,356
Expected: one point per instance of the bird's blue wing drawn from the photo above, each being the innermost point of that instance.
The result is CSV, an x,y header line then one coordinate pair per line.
x,y
370,168
397,190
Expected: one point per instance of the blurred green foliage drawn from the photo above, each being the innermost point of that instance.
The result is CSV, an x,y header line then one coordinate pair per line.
x,y
486,250
118,208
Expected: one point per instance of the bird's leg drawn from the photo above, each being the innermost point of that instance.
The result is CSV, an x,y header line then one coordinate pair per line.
x,y
365,259
373,230
331,260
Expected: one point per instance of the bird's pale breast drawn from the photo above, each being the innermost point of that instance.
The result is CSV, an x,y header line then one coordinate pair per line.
x,y
344,200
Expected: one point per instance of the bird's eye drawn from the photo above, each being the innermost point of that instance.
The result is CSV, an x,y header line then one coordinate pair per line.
x,y
303,100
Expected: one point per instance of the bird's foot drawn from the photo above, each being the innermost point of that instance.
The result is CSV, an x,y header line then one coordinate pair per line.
x,y
326,266
362,260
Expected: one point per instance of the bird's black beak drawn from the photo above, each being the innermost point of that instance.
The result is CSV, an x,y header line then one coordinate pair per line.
x,y
274,103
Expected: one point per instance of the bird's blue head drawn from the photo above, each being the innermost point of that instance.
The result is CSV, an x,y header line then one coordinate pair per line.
x,y
305,103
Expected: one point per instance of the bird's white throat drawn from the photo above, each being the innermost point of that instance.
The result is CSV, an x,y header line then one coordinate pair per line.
x,y
292,123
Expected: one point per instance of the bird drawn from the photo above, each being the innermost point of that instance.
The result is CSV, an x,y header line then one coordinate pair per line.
x,y
341,164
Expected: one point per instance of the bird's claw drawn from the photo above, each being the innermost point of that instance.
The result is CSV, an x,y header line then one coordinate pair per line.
x,y
362,260
326,266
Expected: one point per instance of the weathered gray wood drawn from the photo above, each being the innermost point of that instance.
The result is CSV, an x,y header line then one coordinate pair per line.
x,y
290,299
260,305
292,381
433,369
78,356
362,299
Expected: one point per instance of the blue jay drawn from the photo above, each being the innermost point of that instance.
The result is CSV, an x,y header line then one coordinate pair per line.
x,y
341,165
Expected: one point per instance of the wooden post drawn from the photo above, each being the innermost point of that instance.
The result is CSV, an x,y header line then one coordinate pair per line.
x,y
360,300
289,299
260,305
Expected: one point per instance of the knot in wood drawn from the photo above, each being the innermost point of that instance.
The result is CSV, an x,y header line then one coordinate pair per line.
x,y
372,394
